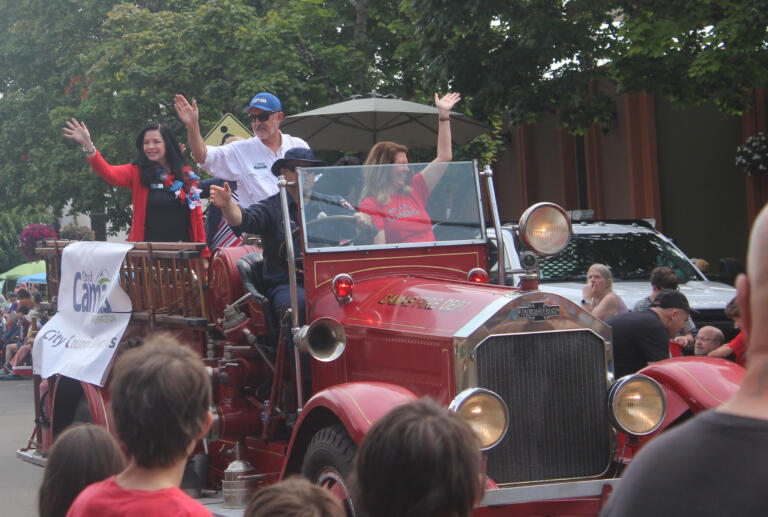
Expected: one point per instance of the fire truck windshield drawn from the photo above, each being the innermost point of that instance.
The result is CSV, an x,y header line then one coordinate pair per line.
x,y
403,205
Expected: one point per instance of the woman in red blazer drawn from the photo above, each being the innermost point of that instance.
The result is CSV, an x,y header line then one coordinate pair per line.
x,y
166,200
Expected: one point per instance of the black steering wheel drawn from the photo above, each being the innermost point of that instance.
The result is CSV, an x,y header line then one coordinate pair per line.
x,y
348,226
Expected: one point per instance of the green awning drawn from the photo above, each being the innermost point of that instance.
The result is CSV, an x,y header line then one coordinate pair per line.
x,y
30,268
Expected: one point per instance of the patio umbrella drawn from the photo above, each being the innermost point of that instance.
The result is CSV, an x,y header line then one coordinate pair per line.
x,y
357,124
25,269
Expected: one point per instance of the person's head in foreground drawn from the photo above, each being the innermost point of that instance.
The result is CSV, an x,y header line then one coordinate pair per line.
x,y
160,399
294,497
419,460
82,455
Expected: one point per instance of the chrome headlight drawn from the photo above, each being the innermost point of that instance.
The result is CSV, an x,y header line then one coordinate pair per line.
x,y
545,228
637,405
485,412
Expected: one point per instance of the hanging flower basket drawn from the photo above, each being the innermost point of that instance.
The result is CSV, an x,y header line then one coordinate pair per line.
x,y
31,235
752,155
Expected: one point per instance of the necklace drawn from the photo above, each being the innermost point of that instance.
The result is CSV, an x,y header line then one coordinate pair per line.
x,y
185,191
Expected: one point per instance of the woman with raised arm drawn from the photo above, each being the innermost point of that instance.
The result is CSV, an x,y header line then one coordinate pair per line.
x,y
397,203
166,199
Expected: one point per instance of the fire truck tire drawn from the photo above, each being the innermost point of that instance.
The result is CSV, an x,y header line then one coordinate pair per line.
x,y
328,462
82,412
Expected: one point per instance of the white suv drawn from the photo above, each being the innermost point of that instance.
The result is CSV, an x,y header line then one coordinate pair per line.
x,y
631,250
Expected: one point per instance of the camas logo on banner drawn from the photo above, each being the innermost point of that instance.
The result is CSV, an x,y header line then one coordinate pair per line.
x,y
87,293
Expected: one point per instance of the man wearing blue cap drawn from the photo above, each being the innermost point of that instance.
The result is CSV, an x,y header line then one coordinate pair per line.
x,y
249,161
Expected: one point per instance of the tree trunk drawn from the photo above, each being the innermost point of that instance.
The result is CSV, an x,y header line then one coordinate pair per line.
x,y
361,36
99,225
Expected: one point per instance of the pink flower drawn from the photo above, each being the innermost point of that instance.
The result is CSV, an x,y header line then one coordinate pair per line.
x,y
31,235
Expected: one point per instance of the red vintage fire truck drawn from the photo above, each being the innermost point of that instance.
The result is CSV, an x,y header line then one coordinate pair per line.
x,y
531,372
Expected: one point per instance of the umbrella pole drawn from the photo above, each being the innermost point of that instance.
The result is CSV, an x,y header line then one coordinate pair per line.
x,y
373,134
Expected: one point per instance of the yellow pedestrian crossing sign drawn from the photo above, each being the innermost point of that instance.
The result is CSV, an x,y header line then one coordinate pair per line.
x,y
227,127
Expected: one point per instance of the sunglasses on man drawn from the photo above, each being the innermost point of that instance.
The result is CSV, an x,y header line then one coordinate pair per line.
x,y
293,166
261,117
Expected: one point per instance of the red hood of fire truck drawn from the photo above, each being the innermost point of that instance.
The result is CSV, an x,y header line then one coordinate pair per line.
x,y
440,308
417,331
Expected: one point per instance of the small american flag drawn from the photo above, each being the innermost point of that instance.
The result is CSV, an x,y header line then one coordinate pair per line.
x,y
224,237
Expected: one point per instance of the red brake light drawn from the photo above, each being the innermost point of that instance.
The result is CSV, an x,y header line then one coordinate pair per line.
x,y
342,287
478,275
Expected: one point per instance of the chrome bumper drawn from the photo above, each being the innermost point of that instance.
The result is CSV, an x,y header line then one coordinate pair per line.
x,y
528,494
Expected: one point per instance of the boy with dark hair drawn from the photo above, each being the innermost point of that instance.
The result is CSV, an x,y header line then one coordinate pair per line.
x,y
160,399
664,278
293,497
418,460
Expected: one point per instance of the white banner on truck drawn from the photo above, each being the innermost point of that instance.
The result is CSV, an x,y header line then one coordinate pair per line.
x,y
93,313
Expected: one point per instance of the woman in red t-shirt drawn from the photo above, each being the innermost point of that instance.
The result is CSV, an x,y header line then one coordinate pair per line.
x,y
396,205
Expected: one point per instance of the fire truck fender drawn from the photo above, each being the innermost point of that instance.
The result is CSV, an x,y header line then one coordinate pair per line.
x,y
694,384
355,405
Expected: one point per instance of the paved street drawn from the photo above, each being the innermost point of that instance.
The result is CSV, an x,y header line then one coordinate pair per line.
x,y
19,481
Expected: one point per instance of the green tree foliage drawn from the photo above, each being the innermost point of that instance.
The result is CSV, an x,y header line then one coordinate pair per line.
x,y
12,222
42,69
524,57
116,66
518,57
692,51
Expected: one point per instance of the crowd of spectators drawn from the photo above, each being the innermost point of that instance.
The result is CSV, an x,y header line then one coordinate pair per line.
x,y
21,316
711,465
659,325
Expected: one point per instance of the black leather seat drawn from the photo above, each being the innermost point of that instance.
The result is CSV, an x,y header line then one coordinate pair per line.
x,y
251,268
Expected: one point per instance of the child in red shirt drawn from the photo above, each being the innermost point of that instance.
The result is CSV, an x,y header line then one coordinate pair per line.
x,y
160,399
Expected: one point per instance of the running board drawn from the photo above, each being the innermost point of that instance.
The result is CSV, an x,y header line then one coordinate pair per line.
x,y
33,456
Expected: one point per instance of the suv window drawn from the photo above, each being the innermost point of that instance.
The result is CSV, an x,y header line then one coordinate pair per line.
x,y
631,256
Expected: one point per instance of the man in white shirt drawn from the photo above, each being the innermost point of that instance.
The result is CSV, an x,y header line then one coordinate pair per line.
x,y
248,161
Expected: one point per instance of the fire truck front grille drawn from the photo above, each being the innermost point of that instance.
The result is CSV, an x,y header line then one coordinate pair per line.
x,y
555,387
